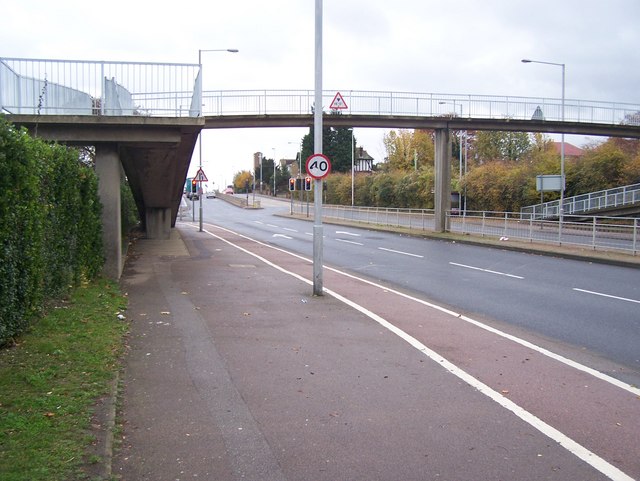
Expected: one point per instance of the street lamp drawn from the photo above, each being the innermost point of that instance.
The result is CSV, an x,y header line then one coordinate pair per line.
x,y
274,171
231,50
561,211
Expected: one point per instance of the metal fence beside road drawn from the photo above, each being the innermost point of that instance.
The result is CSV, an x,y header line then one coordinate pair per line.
x,y
597,233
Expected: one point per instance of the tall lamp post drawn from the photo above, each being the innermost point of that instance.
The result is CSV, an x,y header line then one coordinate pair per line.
x,y
274,171
231,50
561,209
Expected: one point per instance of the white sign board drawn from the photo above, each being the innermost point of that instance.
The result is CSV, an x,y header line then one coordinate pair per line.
x,y
549,183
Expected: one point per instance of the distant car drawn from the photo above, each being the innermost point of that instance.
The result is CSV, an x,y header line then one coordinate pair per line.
x,y
211,195
228,191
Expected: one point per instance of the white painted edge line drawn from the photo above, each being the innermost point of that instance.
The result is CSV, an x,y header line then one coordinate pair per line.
x,y
606,295
400,252
485,270
566,442
348,233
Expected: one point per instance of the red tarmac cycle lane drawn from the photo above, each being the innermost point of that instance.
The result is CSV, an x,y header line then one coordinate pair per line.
x,y
246,375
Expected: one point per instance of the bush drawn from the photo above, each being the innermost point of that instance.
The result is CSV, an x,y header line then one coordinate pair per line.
x,y
50,225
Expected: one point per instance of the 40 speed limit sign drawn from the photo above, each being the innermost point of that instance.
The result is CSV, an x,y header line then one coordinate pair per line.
x,y
318,166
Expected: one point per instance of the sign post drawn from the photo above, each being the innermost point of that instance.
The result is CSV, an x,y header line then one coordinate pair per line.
x,y
200,178
317,149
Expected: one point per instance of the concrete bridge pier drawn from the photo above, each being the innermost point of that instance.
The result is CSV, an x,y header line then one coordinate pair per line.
x,y
109,171
158,222
442,181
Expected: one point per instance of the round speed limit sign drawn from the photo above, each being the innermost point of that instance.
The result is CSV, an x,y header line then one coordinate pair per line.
x,y
318,166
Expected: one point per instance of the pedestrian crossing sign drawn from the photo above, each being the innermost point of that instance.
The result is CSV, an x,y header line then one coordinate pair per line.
x,y
338,103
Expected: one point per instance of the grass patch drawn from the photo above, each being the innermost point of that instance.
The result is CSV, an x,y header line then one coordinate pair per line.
x,y
50,380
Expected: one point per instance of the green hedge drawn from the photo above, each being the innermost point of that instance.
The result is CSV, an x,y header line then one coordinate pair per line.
x,y
50,225
411,189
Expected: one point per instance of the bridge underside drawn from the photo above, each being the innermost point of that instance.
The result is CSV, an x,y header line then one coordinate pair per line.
x,y
153,153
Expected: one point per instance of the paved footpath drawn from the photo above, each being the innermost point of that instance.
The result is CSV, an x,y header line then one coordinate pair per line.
x,y
236,372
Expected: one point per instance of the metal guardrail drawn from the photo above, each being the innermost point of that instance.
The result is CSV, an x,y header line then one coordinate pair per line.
x,y
598,233
79,87
617,197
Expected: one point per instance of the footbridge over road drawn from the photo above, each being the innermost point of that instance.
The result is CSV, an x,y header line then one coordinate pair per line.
x,y
144,119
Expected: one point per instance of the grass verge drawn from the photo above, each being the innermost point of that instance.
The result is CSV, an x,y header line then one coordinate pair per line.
x,y
50,381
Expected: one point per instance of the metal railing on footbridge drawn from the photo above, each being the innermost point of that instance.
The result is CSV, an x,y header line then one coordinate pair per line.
x,y
610,199
79,87
597,233
83,87
387,103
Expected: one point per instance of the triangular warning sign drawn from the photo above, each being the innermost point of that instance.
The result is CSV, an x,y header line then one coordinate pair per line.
x,y
338,103
200,177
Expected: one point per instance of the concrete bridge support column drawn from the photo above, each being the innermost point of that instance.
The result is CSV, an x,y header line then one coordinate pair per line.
x,y
158,222
109,170
443,179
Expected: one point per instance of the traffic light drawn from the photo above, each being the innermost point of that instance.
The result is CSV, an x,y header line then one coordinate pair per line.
x,y
194,186
292,184
307,183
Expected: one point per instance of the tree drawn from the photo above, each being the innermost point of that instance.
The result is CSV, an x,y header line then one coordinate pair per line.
x,y
267,175
499,145
599,168
407,149
241,180
337,144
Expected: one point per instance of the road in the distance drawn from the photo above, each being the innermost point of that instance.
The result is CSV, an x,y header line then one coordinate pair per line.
x,y
591,308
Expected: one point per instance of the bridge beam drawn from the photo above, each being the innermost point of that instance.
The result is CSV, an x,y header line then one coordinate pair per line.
x,y
442,182
109,171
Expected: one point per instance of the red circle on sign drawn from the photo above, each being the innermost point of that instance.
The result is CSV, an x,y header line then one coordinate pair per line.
x,y
318,166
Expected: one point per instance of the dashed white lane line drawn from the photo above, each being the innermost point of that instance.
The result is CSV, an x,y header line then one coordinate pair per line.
x,y
344,232
400,252
489,271
606,295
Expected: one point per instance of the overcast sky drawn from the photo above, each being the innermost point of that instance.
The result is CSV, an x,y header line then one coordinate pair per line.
x,y
461,47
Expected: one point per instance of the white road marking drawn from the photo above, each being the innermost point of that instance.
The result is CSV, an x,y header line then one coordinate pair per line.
x,y
272,225
258,222
400,252
486,270
569,444
350,242
347,233
288,229
606,295
282,235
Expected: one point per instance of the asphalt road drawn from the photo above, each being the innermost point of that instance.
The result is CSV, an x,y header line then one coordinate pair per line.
x,y
586,310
